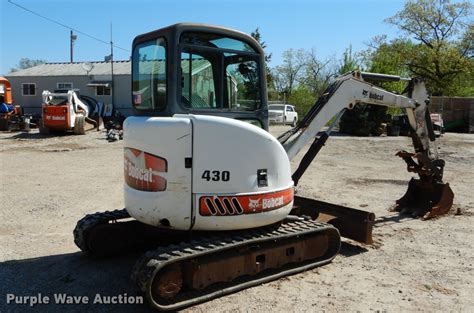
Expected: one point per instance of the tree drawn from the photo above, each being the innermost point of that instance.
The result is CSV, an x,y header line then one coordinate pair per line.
x,y
349,62
365,119
463,84
317,74
287,75
258,37
303,99
440,54
268,56
468,40
25,63
388,57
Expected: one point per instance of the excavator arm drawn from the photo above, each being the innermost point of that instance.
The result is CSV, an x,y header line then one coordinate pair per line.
x,y
427,196
344,94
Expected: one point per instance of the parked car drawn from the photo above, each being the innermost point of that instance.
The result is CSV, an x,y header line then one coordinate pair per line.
x,y
282,114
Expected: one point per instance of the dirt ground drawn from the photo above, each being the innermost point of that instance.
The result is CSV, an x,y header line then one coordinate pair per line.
x,y
48,183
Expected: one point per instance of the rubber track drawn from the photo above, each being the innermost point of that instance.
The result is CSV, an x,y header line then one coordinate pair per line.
x,y
151,262
89,221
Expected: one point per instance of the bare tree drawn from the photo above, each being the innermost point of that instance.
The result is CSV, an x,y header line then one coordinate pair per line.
x,y
288,74
317,73
25,63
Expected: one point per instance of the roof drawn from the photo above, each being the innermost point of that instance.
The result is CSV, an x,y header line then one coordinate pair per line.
x,y
102,68
74,69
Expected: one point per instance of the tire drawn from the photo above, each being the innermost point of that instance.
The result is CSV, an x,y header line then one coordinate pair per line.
x,y
4,124
294,122
79,125
43,130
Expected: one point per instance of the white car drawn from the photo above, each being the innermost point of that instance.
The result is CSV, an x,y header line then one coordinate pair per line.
x,y
282,114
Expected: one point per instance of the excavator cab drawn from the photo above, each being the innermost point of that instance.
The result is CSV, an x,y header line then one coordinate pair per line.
x,y
199,69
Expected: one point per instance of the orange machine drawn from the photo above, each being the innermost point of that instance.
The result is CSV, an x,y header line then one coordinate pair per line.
x,y
12,118
64,111
6,90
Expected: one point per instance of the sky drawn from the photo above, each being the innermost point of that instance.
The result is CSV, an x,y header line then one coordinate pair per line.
x,y
327,26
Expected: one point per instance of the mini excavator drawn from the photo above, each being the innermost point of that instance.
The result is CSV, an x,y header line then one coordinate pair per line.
x,y
211,197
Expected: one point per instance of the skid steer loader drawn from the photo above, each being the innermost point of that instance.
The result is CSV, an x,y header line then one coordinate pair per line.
x,y
211,197
66,110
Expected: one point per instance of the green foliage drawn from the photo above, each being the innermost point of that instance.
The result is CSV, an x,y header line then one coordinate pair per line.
x,y
25,63
350,62
387,57
463,84
439,55
302,99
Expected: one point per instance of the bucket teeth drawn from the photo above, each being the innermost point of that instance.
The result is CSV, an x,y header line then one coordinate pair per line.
x,y
444,204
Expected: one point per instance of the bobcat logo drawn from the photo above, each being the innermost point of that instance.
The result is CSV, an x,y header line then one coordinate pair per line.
x,y
254,204
365,92
143,171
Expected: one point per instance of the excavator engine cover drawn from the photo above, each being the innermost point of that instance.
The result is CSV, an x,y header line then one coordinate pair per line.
x,y
204,173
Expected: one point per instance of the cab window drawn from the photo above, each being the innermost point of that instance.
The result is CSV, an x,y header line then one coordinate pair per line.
x,y
149,75
219,73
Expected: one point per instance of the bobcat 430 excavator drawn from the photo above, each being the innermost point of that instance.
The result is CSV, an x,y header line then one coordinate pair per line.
x,y
213,197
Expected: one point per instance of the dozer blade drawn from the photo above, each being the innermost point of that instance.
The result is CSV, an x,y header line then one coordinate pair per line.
x,y
352,223
425,199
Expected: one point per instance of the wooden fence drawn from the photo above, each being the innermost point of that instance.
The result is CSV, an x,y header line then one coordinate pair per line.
x,y
458,113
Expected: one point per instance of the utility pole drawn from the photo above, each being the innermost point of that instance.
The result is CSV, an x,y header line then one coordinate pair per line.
x,y
112,68
72,39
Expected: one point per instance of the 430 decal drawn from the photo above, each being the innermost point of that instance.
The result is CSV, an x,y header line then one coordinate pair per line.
x,y
216,175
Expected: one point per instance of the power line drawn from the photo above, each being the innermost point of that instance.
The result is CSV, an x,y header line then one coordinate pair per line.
x,y
66,26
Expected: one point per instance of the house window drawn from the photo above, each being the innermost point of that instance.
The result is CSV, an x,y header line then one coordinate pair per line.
x,y
102,91
28,89
64,86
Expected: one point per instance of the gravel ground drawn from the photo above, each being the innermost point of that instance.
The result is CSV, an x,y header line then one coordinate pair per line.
x,y
48,183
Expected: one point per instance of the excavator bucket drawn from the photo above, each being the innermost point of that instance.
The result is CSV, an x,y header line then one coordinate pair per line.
x,y
425,199
428,196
